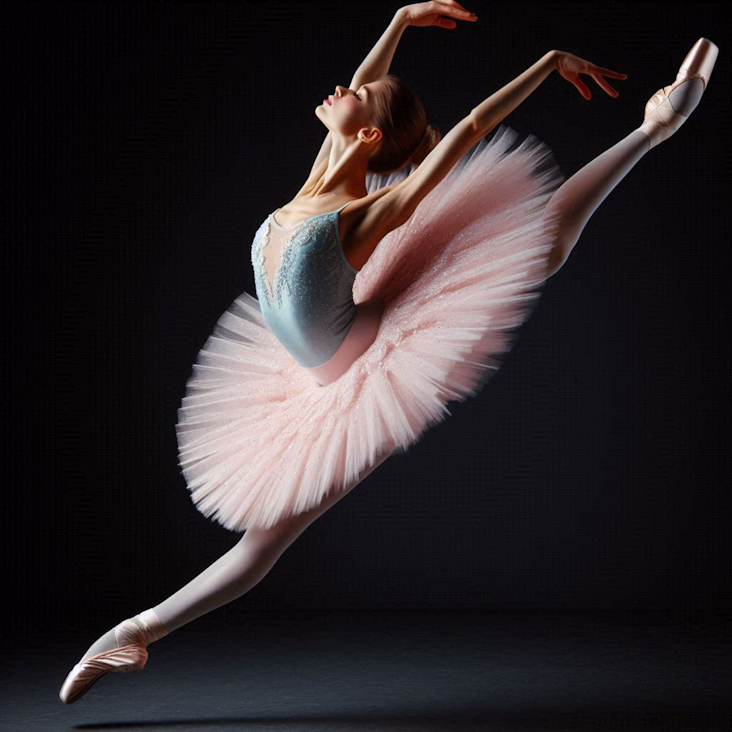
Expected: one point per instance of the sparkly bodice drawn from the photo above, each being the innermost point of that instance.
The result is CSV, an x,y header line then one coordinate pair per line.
x,y
304,285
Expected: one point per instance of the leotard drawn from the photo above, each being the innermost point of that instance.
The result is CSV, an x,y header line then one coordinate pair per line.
x,y
304,284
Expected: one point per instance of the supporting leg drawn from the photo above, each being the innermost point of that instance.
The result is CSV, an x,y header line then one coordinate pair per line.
x,y
241,568
237,571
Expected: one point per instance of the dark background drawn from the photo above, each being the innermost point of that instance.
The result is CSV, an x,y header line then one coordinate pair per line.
x,y
147,144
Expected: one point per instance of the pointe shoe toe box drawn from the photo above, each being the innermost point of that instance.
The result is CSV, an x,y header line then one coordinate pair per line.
x,y
661,119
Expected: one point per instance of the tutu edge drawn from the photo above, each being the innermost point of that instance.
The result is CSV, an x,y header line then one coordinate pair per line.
x,y
259,441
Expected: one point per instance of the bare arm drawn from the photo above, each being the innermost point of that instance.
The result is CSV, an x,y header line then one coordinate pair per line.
x,y
373,67
481,120
499,105
438,13
392,206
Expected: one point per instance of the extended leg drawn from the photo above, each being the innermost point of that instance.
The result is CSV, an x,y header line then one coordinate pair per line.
x,y
578,198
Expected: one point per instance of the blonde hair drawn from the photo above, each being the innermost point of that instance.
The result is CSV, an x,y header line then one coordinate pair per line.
x,y
401,117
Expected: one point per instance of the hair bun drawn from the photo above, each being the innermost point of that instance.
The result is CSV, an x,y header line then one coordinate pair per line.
x,y
430,138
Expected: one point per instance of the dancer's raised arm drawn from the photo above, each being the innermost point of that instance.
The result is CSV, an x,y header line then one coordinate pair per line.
x,y
394,205
378,62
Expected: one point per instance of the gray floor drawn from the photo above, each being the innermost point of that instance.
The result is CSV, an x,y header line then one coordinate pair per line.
x,y
404,672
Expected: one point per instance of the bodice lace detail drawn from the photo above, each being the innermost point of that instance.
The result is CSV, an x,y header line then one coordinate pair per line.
x,y
275,253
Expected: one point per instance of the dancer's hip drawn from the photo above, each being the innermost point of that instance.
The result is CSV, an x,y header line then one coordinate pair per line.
x,y
361,335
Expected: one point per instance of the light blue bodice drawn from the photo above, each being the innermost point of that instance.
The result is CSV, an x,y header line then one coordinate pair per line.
x,y
309,306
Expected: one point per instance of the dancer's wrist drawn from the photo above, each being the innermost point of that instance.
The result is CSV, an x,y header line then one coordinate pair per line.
x,y
401,17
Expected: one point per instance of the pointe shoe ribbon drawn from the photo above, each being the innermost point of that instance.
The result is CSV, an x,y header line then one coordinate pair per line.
x,y
661,119
130,656
148,629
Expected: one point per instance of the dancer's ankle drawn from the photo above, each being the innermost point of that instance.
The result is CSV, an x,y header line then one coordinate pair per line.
x,y
151,626
150,630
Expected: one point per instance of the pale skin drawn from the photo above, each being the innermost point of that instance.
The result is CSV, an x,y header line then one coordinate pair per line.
x,y
338,177
338,174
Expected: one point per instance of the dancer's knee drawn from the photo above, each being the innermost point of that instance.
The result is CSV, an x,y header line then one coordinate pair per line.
x,y
557,258
285,531
258,542
279,536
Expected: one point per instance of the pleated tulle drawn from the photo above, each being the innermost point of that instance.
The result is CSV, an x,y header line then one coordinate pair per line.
x,y
259,440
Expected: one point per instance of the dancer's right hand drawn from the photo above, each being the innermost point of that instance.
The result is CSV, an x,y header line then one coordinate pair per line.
x,y
437,12
570,66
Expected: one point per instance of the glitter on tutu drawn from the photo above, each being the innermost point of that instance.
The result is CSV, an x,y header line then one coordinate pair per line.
x,y
259,441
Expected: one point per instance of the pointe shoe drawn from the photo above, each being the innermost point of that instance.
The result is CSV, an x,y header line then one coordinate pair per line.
x,y
130,656
661,120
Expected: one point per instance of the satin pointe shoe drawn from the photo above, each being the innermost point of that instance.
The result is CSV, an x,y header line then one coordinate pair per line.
x,y
661,119
130,656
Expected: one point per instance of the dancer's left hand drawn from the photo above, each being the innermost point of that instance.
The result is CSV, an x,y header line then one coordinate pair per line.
x,y
437,12
570,66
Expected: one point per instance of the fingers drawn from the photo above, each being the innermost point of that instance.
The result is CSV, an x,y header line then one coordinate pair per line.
x,y
604,85
583,88
609,72
597,73
456,10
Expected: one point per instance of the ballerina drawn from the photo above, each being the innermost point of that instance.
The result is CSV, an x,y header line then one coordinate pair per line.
x,y
386,288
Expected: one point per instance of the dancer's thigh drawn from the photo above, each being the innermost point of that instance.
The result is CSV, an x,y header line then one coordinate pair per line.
x,y
289,529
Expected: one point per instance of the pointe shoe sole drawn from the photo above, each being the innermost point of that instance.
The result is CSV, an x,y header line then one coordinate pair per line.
x,y
125,659
130,655
661,119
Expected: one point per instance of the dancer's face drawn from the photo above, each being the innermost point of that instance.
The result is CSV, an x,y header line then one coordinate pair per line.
x,y
349,110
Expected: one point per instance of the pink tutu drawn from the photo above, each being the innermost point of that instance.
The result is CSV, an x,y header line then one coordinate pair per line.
x,y
260,441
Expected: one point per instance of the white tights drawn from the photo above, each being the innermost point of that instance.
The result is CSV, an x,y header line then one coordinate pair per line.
x,y
243,566
237,571
254,555
574,202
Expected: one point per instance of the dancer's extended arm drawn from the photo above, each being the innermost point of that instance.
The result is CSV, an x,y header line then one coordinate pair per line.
x,y
378,62
392,206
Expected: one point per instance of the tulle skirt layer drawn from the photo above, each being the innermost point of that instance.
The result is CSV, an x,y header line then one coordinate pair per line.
x,y
260,441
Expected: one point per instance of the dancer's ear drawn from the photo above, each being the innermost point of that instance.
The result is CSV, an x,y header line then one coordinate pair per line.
x,y
370,135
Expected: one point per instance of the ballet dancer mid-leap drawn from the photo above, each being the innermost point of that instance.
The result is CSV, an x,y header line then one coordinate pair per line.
x,y
347,150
